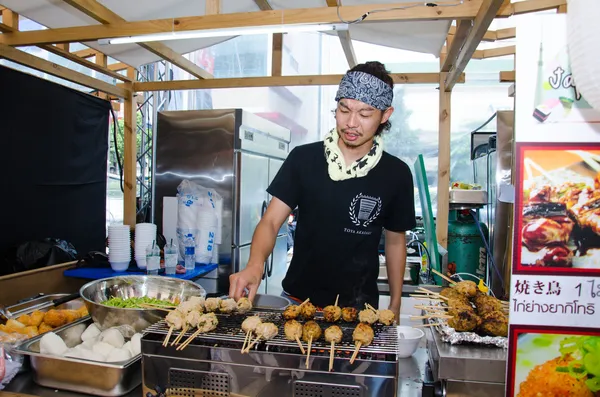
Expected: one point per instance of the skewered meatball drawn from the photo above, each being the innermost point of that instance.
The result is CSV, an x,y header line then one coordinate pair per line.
x,y
266,331
212,304
308,311
292,330
364,334
292,312
486,304
333,334
463,320
494,323
250,323
311,330
208,322
228,305
175,319
459,304
349,314
244,305
467,287
187,306
332,313
452,293
193,318
386,317
368,316
198,302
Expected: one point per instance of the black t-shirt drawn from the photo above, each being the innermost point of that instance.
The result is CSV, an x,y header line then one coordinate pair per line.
x,y
340,224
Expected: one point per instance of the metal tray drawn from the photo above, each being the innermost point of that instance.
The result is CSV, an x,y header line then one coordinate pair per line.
x,y
461,196
41,302
78,375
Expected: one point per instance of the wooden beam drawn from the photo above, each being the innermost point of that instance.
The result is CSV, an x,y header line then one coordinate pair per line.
x,y
507,76
129,156
562,9
117,67
212,7
443,185
527,6
478,54
276,81
485,16
105,16
10,19
53,69
508,33
490,35
499,52
98,67
458,40
64,46
87,53
332,3
247,19
5,28
277,55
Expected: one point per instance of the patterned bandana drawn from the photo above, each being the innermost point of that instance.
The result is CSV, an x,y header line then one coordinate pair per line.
x,y
366,88
336,165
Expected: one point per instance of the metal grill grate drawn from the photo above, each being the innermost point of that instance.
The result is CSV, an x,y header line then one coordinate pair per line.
x,y
188,383
310,389
229,331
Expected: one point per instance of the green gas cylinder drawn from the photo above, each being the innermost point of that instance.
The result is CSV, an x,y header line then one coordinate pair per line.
x,y
466,249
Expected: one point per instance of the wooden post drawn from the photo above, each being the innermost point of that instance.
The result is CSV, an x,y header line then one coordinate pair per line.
x,y
277,56
130,154
10,18
102,60
443,187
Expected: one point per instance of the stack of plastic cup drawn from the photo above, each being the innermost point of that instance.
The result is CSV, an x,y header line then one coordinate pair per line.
x,y
145,233
119,247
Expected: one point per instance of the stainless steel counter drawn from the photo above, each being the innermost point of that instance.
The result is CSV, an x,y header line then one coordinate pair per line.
x,y
467,370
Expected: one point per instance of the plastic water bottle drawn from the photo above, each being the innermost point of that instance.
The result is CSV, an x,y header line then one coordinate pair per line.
x,y
190,254
170,258
152,259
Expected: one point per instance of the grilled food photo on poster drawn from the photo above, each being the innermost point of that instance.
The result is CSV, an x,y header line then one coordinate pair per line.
x,y
555,362
558,225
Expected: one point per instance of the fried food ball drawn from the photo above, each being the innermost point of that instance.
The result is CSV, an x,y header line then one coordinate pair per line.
x,y
55,318
250,323
386,317
24,319
292,330
308,311
332,313
193,318
244,305
43,328
333,334
459,304
486,304
452,293
349,314
175,319
368,316
545,381
212,304
292,312
72,315
466,287
228,305
311,330
463,320
494,323
266,331
37,317
364,334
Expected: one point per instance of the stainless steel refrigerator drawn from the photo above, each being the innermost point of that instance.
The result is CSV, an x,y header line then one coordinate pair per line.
x,y
238,154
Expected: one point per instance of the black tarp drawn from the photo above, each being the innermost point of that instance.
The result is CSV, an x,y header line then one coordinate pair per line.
x,y
53,160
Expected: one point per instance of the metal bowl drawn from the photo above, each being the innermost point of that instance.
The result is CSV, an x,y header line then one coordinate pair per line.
x,y
164,288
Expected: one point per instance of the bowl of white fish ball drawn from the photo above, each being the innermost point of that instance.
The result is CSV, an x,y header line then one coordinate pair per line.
x,y
135,301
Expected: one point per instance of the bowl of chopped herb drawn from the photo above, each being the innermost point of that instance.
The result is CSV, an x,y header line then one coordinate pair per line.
x,y
135,301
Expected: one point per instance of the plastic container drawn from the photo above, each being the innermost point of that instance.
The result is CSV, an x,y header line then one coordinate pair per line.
x,y
152,259
170,258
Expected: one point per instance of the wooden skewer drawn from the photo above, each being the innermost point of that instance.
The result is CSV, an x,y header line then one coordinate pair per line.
x,y
305,302
308,352
300,345
331,356
254,342
189,340
148,306
166,342
181,334
430,316
433,293
448,279
336,300
245,341
371,307
423,298
355,352
431,307
427,325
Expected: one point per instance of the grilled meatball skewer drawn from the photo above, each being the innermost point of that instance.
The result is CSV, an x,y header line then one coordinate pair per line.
x,y
332,313
176,321
204,323
263,331
248,326
293,311
293,331
363,336
349,314
333,335
311,331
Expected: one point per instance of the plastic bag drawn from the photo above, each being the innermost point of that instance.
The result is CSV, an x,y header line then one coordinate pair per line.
x,y
41,253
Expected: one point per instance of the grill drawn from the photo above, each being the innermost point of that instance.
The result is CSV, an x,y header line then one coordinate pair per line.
x,y
212,365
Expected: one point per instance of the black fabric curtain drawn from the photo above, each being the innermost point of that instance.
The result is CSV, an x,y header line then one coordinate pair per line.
x,y
54,158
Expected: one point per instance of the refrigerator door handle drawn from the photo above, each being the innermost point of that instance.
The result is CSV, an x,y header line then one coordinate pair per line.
x,y
264,208
270,271
266,270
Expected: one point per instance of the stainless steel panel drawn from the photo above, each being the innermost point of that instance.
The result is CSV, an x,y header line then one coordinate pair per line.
x,y
252,195
470,389
468,197
277,267
197,145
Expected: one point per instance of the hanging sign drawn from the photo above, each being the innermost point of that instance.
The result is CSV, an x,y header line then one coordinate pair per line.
x,y
554,335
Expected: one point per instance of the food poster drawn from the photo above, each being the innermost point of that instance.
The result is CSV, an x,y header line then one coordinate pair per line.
x,y
548,106
554,333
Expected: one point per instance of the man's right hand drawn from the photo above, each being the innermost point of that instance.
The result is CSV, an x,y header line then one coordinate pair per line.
x,y
249,279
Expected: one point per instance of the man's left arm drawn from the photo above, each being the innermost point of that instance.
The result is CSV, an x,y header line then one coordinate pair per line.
x,y
395,260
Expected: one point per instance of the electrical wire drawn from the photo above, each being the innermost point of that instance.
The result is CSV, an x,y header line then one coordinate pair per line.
x,y
365,15
487,248
119,164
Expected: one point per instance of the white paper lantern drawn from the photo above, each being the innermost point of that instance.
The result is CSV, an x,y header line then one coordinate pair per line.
x,y
583,29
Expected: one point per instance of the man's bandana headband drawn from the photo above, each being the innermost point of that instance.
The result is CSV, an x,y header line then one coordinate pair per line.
x,y
366,88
